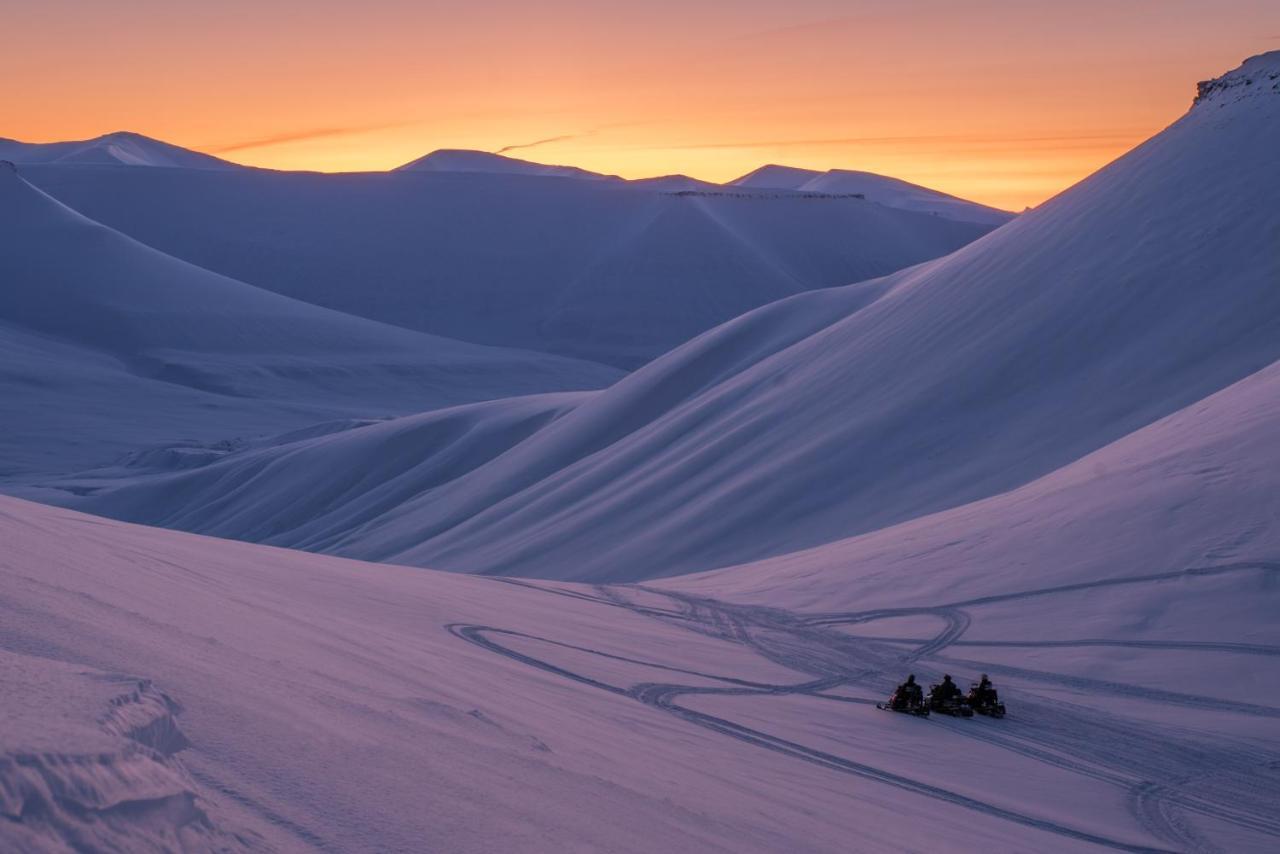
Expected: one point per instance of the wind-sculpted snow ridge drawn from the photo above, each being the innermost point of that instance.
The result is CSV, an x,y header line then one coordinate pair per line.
x,y
1138,293
608,271
132,346
70,782
118,149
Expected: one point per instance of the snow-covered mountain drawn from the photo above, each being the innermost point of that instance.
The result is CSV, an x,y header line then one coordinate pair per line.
x,y
109,344
906,196
1138,293
600,270
121,148
676,184
466,160
771,176
891,192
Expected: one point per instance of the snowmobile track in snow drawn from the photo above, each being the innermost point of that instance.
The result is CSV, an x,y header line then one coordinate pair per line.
x,y
1100,746
662,696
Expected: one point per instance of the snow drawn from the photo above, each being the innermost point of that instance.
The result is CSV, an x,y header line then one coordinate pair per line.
x,y
323,703
133,346
598,270
121,148
311,702
317,491
464,160
775,177
676,184
1132,296
1195,490
883,190
896,193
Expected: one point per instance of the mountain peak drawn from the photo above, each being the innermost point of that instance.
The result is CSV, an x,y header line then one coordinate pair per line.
x,y
1257,75
470,160
773,176
881,189
118,148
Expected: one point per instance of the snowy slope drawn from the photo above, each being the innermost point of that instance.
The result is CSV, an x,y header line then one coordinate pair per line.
x,y
465,160
109,343
881,189
1125,299
603,270
318,491
1198,488
122,148
1124,606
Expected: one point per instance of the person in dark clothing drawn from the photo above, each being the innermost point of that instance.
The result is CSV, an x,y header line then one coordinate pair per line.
x,y
945,691
984,693
908,695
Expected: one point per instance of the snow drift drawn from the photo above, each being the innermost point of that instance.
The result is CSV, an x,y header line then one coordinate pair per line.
x,y
1137,293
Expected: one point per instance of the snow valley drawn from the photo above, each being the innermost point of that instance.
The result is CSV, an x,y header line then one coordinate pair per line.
x,y
490,505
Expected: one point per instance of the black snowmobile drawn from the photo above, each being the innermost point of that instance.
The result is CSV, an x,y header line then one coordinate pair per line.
x,y
948,702
907,699
984,700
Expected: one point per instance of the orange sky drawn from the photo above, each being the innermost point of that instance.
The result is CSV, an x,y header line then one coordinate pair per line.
x,y
1002,102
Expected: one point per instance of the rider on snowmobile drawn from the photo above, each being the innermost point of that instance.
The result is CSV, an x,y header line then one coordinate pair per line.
x,y
945,691
984,693
908,694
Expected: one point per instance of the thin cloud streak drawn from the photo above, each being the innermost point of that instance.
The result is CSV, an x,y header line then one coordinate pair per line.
x,y
567,136
538,142
299,136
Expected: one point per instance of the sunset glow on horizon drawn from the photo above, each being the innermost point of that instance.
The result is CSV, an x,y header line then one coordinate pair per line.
x,y
1004,103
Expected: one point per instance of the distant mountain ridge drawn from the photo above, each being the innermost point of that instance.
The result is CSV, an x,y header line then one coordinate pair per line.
x,y
125,148
612,271
468,160
122,148
891,192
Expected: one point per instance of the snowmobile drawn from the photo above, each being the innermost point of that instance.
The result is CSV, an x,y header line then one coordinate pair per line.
x,y
906,706
985,705
994,709
954,706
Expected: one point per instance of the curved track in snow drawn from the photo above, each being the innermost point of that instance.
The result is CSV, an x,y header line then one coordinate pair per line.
x,y
1167,779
